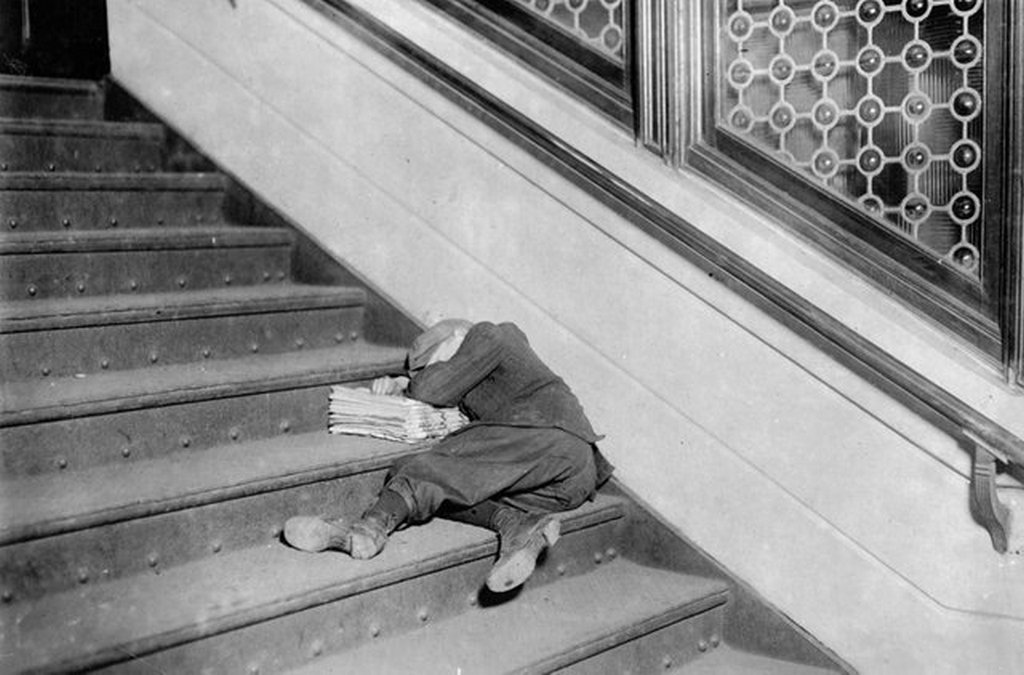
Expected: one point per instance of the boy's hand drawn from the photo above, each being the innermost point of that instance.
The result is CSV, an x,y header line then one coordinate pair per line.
x,y
389,386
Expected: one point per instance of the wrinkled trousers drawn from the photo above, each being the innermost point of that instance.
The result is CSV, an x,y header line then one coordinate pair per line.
x,y
532,469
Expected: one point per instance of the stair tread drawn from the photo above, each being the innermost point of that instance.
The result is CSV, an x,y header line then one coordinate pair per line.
x,y
143,238
99,622
59,398
581,614
71,127
77,180
55,313
726,660
49,504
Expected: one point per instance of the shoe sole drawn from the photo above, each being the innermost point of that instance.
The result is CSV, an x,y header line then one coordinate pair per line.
x,y
512,571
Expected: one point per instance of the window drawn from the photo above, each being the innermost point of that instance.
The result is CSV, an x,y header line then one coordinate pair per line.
x,y
883,131
584,45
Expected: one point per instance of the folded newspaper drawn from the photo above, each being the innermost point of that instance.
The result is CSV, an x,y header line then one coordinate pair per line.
x,y
394,418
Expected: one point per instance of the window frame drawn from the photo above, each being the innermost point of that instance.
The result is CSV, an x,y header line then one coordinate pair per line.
x,y
593,78
987,314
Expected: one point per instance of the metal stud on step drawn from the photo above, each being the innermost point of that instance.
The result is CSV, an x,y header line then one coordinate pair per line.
x,y
113,221
317,648
285,426
185,441
666,662
12,223
126,452
62,463
216,546
104,363
83,576
51,167
423,615
181,282
153,560
6,596
80,287
702,645
66,222
374,630
32,290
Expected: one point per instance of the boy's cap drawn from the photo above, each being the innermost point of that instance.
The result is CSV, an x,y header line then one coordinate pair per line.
x,y
429,340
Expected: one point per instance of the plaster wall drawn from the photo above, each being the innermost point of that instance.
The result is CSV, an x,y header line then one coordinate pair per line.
x,y
843,508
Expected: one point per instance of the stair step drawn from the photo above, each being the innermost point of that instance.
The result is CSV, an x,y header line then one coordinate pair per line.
x,y
62,530
147,260
74,423
544,629
266,602
79,145
61,398
121,332
726,660
50,97
61,201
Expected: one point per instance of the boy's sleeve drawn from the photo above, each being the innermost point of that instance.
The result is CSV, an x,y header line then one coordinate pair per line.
x,y
445,383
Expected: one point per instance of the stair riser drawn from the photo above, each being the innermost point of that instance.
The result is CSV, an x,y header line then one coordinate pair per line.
x,y
24,104
58,210
94,349
82,442
27,152
656,652
150,545
66,275
301,637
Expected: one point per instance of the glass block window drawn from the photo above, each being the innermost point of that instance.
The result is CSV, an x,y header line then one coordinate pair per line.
x,y
879,101
596,24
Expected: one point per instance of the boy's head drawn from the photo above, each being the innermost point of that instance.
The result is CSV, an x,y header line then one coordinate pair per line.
x,y
438,343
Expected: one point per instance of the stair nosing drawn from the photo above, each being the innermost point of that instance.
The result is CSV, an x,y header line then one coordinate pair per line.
x,y
477,544
58,84
143,238
81,181
41,126
257,376
611,640
23,316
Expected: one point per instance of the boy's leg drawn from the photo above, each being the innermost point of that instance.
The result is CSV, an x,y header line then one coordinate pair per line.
x,y
533,469
521,513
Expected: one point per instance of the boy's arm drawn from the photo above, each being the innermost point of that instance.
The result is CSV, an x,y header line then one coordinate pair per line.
x,y
446,382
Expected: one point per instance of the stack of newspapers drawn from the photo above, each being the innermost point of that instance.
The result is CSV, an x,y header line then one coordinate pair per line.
x,y
394,418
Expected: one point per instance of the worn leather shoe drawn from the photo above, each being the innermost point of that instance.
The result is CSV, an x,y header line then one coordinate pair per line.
x,y
362,539
523,537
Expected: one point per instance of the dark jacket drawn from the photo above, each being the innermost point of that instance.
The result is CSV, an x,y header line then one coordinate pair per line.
x,y
496,378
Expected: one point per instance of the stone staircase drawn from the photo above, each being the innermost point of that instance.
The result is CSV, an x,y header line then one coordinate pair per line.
x,y
164,383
